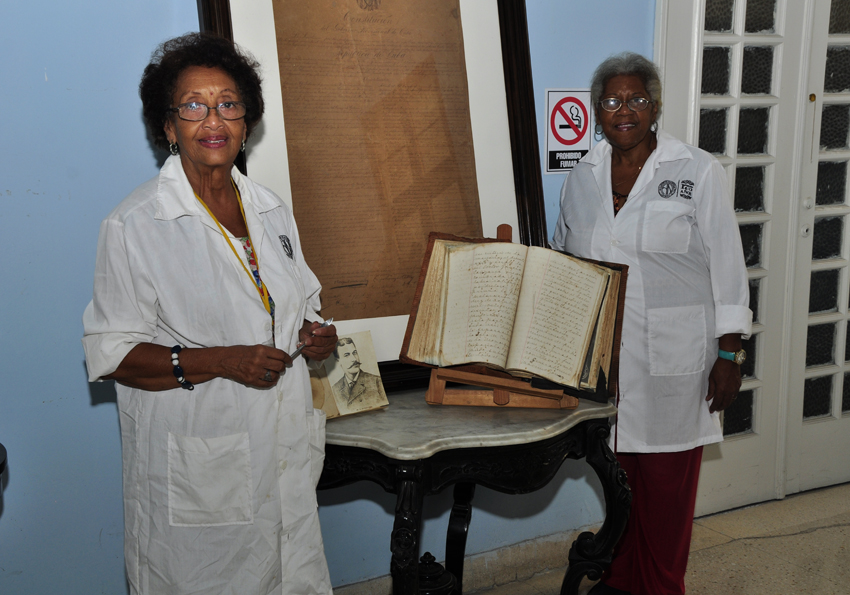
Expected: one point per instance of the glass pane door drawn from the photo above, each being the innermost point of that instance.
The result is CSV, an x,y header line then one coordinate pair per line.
x,y
819,419
749,80
739,95
770,98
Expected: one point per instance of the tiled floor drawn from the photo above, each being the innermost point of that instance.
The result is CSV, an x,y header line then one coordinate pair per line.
x,y
797,545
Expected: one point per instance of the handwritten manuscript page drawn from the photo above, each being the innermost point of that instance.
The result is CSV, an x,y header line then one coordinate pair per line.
x,y
557,293
481,298
379,139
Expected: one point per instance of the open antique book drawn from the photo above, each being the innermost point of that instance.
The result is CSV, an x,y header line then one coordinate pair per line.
x,y
532,312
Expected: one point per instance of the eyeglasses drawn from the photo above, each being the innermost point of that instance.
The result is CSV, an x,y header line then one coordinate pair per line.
x,y
636,104
195,111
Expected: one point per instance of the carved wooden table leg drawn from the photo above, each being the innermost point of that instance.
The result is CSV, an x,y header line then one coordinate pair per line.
x,y
404,543
591,554
458,530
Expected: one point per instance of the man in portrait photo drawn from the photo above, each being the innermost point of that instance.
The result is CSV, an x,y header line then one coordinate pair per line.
x,y
355,386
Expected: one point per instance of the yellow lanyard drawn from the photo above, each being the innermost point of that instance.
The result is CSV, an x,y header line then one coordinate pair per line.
x,y
261,287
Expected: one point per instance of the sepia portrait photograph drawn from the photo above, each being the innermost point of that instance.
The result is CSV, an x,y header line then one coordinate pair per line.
x,y
349,381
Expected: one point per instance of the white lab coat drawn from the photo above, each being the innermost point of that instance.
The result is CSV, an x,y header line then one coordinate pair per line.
x,y
687,285
219,482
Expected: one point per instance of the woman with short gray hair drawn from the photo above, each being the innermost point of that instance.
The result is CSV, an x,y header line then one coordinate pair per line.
x,y
647,200
629,64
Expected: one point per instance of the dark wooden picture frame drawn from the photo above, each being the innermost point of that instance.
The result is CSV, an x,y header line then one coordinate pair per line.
x,y
214,17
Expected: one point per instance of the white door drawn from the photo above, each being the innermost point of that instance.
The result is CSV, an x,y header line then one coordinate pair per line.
x,y
818,438
745,69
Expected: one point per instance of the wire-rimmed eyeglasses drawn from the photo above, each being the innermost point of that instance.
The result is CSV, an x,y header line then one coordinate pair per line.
x,y
636,104
194,111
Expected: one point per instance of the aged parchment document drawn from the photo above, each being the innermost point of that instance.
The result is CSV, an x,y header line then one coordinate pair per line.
x,y
379,139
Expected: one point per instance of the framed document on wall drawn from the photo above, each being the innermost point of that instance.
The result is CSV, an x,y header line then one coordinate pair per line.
x,y
386,120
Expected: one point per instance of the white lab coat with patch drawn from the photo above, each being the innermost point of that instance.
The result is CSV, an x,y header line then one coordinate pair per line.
x,y
687,285
219,482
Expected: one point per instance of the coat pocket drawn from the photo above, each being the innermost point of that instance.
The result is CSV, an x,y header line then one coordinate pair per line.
x,y
209,480
676,338
316,423
667,227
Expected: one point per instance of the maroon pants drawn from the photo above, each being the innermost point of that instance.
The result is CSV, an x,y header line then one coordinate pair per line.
x,y
652,555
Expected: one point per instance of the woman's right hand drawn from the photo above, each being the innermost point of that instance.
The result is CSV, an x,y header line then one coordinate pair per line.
x,y
149,367
255,365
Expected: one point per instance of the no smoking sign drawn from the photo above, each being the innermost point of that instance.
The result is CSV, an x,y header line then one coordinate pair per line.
x,y
568,127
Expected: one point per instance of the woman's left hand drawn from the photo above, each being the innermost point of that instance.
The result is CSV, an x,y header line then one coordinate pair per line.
x,y
724,382
319,340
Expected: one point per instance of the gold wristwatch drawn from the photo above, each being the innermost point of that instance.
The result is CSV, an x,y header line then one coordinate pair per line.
x,y
739,357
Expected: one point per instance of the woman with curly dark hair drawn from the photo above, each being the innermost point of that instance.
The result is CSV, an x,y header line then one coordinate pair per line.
x,y
201,293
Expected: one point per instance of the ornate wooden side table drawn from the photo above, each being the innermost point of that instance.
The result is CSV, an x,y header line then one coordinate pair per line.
x,y
412,449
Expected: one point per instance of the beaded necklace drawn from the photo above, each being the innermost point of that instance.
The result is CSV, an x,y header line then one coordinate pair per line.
x,y
257,282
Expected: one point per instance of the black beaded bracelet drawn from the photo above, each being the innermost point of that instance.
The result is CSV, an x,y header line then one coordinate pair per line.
x,y
178,371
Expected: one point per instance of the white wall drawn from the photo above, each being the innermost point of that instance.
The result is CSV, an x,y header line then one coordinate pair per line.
x,y
73,146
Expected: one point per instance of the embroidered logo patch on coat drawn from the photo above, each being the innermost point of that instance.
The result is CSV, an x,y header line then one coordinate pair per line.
x,y
287,245
686,189
667,188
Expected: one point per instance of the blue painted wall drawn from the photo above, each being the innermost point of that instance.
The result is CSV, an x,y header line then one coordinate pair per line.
x,y
75,145
569,38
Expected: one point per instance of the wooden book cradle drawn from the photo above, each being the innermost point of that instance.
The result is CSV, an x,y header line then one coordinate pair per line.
x,y
492,391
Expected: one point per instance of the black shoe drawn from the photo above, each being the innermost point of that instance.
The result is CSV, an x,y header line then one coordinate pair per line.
x,y
602,589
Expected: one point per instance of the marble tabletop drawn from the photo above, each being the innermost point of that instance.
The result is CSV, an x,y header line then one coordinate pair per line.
x,y
410,429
